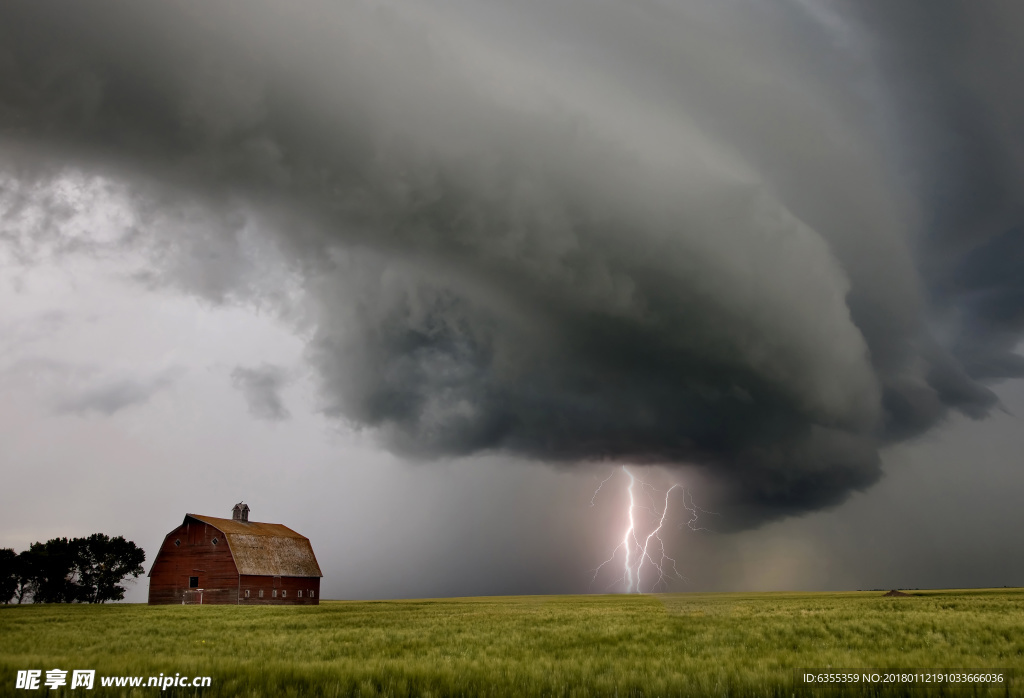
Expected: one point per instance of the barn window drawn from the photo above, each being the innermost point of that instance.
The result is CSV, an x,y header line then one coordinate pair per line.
x,y
246,593
300,593
261,593
193,582
215,541
284,593
274,593
177,542
312,594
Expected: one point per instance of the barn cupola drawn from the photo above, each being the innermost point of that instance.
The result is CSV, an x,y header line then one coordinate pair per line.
x,y
240,512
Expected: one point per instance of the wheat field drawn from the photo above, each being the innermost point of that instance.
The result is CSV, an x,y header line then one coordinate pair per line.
x,y
611,645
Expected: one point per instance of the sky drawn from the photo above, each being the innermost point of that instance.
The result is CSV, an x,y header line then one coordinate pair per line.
x,y
418,279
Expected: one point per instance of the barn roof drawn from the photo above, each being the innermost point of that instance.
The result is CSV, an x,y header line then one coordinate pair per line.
x,y
265,548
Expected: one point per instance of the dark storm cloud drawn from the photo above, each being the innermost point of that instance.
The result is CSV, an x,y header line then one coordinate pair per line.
x,y
261,386
953,66
717,233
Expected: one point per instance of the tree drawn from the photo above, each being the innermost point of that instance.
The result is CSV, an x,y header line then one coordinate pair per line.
x,y
102,563
8,574
23,587
51,572
84,570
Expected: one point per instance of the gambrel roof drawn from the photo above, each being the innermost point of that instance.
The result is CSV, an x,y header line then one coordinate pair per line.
x,y
265,548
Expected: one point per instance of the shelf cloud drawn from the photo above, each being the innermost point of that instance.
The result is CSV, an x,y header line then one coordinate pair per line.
x,y
765,240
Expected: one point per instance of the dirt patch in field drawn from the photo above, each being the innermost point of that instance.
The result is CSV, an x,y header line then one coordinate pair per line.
x,y
895,593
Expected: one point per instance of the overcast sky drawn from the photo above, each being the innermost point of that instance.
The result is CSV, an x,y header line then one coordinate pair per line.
x,y
415,278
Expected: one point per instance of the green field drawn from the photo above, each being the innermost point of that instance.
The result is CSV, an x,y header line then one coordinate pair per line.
x,y
651,645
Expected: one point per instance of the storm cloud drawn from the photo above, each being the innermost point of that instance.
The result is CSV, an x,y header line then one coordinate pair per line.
x,y
763,239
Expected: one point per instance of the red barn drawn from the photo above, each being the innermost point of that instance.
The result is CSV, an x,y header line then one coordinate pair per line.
x,y
234,561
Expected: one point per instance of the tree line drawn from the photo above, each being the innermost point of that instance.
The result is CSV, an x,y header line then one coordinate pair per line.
x,y
75,570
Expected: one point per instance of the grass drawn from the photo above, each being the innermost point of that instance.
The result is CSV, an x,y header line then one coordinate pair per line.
x,y
652,645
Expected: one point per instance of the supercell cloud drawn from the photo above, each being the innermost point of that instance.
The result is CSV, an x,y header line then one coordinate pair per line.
x,y
765,239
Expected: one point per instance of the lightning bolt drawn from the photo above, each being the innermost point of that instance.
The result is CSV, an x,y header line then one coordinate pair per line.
x,y
651,552
599,488
695,512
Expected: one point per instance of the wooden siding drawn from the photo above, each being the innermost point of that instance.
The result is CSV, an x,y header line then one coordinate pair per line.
x,y
197,556
290,586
